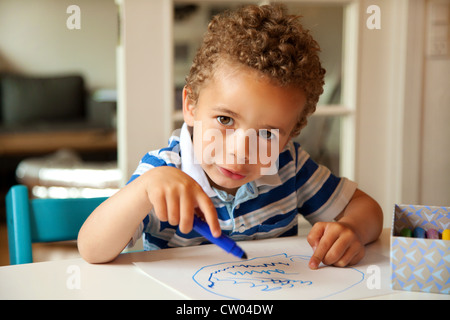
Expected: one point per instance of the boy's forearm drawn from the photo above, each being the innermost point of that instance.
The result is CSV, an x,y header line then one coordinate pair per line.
x,y
110,227
364,215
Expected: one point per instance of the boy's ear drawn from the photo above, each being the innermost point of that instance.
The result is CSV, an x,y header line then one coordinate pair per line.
x,y
188,108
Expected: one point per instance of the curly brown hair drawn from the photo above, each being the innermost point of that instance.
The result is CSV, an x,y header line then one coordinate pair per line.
x,y
268,40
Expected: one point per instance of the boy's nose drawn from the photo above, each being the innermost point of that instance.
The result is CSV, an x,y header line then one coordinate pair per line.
x,y
240,146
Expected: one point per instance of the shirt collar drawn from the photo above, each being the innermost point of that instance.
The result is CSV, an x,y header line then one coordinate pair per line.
x,y
189,163
192,167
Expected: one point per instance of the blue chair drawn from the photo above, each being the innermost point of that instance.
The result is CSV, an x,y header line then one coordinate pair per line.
x,y
42,220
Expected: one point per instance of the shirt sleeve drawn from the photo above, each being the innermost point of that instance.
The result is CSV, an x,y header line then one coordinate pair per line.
x,y
136,236
149,161
321,196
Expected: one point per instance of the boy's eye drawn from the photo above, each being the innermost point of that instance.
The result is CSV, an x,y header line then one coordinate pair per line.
x,y
226,121
266,134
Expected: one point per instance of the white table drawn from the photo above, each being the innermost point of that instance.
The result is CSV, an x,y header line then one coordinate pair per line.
x,y
76,279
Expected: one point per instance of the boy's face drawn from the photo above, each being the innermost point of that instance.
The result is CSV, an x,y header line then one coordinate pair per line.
x,y
240,121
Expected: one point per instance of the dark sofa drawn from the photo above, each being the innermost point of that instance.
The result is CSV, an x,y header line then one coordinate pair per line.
x,y
49,104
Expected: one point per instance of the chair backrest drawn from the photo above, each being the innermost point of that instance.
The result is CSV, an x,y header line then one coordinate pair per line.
x,y
42,220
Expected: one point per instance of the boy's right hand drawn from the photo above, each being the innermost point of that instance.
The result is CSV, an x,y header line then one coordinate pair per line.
x,y
175,196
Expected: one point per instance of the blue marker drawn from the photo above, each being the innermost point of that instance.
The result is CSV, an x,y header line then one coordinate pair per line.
x,y
223,241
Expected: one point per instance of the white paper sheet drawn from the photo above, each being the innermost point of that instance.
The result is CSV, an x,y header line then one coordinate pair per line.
x,y
276,269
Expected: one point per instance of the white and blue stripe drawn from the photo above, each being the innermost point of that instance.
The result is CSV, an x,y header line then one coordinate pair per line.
x,y
265,208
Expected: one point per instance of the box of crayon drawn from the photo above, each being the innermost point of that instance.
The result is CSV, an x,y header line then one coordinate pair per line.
x,y
420,255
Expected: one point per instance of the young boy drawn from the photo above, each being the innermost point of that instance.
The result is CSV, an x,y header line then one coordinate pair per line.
x,y
253,82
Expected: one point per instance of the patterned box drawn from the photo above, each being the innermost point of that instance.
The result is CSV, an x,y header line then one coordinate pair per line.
x,y
420,264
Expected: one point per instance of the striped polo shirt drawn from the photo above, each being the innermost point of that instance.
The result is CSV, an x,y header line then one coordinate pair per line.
x,y
264,208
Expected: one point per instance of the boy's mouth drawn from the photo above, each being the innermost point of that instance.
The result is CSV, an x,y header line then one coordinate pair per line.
x,y
231,174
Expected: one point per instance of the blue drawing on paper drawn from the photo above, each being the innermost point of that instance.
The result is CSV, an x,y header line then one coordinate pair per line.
x,y
278,276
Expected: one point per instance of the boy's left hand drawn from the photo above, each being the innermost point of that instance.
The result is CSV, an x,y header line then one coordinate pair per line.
x,y
334,243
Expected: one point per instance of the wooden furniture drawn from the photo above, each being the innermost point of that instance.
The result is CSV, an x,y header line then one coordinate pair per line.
x,y
23,143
